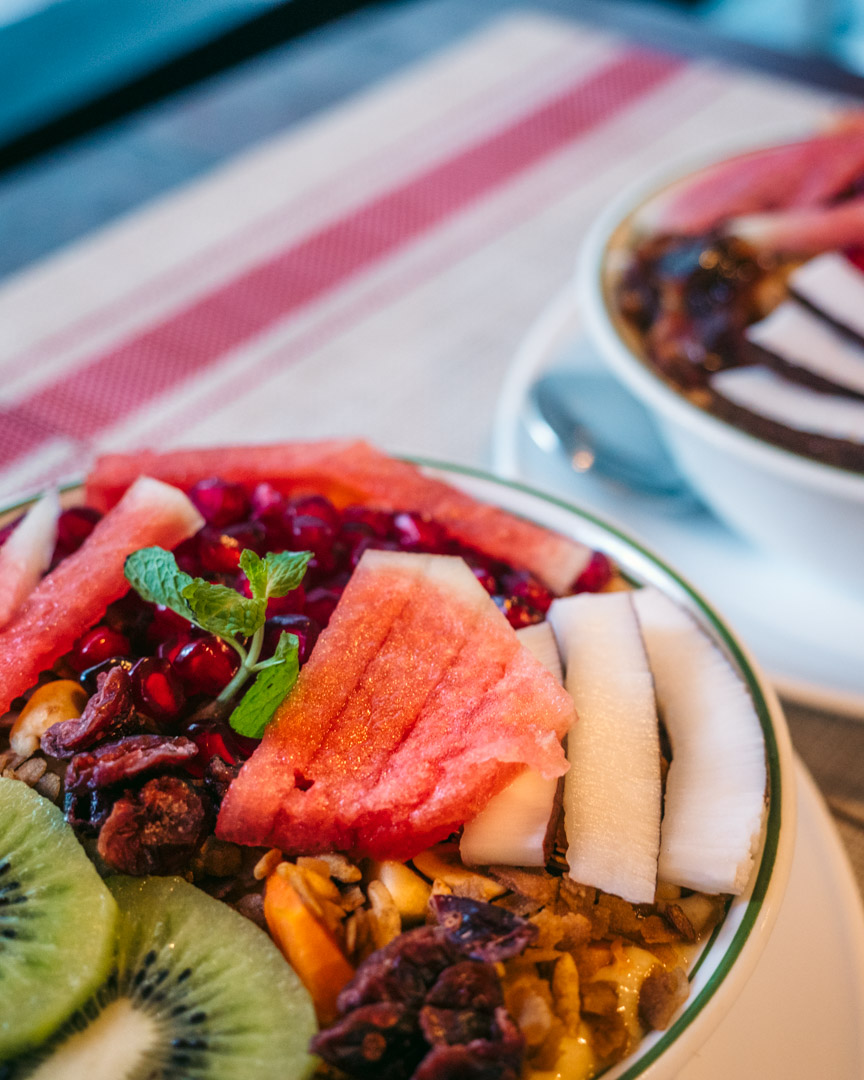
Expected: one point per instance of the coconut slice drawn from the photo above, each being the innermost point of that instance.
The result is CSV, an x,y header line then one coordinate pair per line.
x,y
761,391
612,791
715,787
833,285
26,555
516,826
804,340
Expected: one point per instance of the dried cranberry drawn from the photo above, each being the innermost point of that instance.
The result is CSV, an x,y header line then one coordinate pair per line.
x,y
155,830
97,645
206,665
306,629
126,759
596,575
379,1040
157,689
482,931
220,503
469,984
109,712
449,1026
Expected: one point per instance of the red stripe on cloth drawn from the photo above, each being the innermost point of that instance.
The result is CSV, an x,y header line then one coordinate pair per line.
x,y
84,402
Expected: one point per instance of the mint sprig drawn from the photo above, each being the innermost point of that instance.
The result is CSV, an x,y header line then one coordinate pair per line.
x,y
154,574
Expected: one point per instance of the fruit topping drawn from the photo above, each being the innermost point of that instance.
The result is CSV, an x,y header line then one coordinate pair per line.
x,y
26,554
715,790
56,920
612,793
196,991
349,473
459,708
75,594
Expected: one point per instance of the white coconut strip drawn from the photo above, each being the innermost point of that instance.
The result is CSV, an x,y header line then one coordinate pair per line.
x,y
802,338
715,788
513,827
832,284
767,394
26,554
612,790
539,640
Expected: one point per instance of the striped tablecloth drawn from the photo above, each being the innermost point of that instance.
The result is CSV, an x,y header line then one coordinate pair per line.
x,y
371,271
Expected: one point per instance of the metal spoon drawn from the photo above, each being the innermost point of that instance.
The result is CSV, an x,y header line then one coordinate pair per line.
x,y
598,425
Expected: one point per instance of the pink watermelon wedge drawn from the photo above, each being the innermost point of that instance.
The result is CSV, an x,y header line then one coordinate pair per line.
x,y
75,595
804,231
26,554
418,704
355,472
801,174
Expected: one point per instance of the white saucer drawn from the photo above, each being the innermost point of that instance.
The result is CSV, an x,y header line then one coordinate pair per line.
x,y
800,1015
806,633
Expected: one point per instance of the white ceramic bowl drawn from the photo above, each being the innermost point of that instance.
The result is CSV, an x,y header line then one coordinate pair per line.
x,y
789,505
729,957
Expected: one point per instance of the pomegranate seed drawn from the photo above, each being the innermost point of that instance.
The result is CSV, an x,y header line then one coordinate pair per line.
x,y
156,689
414,532
486,578
73,527
526,587
321,602
165,624
315,506
291,604
170,648
266,502
187,555
595,576
855,255
241,746
518,613
219,549
306,629
210,743
97,645
379,521
310,533
206,665
220,503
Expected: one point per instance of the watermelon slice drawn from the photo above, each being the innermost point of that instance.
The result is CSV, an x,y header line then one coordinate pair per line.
x,y
26,555
418,704
75,595
800,174
355,473
804,231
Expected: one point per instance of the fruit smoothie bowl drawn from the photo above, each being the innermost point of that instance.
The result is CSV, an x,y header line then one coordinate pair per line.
x,y
725,297
314,762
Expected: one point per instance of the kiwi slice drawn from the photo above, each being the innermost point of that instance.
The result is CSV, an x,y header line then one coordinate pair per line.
x,y
57,920
197,991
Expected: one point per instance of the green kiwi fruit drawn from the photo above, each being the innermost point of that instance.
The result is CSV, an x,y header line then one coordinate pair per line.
x,y
57,920
197,991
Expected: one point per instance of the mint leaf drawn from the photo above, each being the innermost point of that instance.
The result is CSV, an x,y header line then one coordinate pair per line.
x,y
285,570
269,690
154,574
224,611
253,567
